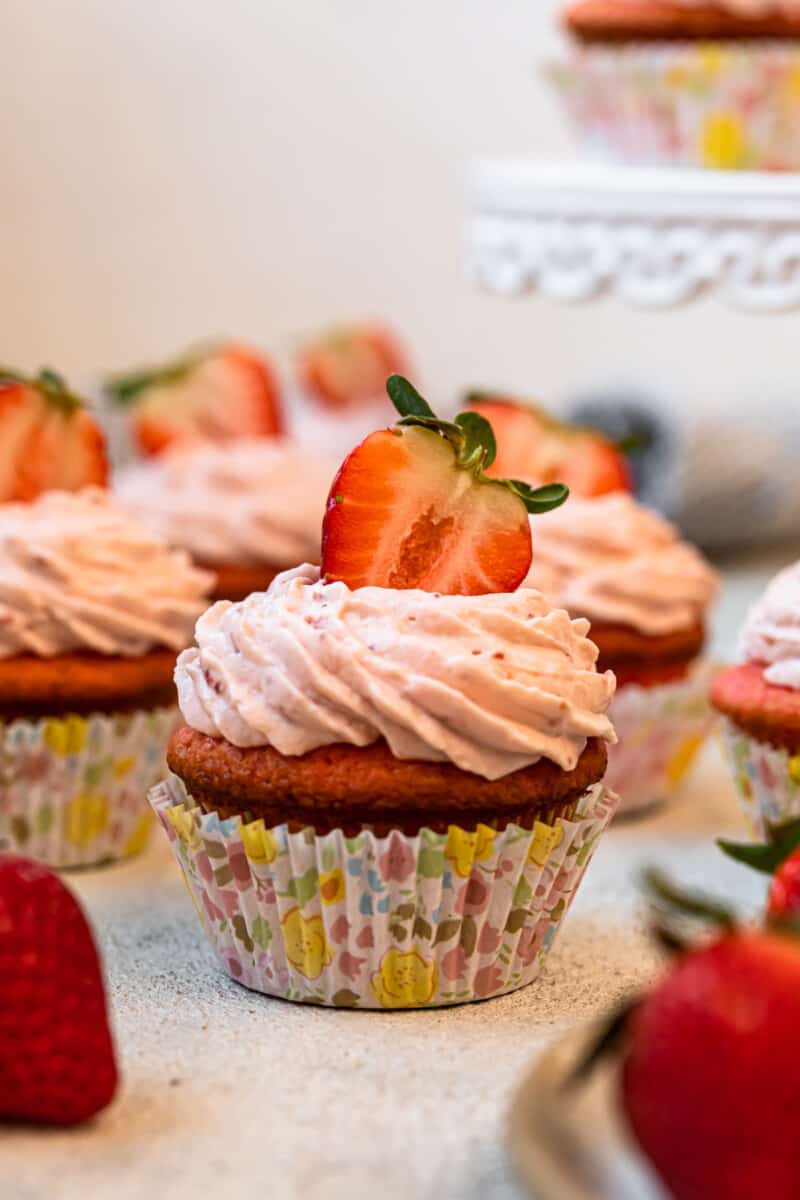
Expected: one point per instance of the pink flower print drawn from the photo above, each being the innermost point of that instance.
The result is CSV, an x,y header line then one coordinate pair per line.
x,y
454,963
506,865
350,964
265,890
489,939
35,767
235,967
230,901
460,901
477,895
531,940
487,980
339,929
766,773
365,940
213,912
240,867
203,864
397,860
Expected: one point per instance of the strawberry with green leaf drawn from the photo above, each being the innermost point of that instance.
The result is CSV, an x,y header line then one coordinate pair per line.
x,y
413,507
778,856
48,439
535,446
213,394
346,367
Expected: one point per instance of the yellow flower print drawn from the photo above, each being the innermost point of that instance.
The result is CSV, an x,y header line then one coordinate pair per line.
x,y
307,947
138,839
66,735
124,766
260,843
724,143
405,980
463,848
683,758
86,818
794,768
184,825
331,886
543,843
791,87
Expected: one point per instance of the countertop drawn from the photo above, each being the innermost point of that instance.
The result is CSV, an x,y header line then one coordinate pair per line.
x,y
227,1093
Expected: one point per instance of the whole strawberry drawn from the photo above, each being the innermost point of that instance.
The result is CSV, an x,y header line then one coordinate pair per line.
x,y
710,1085
347,367
57,1062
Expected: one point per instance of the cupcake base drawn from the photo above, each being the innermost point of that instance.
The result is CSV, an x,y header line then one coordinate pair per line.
x,y
388,922
73,788
660,731
767,778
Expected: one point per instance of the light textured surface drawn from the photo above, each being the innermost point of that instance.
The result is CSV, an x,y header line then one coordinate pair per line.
x,y
227,1093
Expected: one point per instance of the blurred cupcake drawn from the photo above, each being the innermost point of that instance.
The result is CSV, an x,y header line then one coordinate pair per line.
x,y
389,783
646,593
686,82
761,702
215,393
246,509
93,610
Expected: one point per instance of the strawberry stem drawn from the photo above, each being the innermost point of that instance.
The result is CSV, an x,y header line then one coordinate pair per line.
x,y
670,902
782,840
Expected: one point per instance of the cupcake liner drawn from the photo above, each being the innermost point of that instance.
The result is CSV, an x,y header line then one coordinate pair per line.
x,y
660,731
767,778
380,922
73,789
695,104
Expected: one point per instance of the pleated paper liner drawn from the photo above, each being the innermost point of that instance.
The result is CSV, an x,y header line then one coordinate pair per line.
x,y
733,106
767,778
380,922
660,731
73,790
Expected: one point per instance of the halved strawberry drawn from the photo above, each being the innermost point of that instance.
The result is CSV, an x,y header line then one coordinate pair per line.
x,y
227,392
47,438
533,445
411,507
348,367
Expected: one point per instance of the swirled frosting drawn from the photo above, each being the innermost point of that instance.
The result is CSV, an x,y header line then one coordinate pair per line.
x,y
771,634
251,501
616,562
79,573
489,683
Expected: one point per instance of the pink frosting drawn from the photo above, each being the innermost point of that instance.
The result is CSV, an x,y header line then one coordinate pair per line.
x,y
771,634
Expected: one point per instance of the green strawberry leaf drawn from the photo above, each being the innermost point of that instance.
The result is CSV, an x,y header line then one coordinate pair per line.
x,y
542,499
782,840
406,399
479,439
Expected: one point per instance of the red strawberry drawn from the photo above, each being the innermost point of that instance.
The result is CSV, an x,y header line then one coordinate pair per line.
x,y
778,856
533,445
56,1054
348,367
710,1086
411,507
215,395
47,438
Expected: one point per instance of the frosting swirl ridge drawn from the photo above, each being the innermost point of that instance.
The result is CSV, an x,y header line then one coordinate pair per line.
x,y
771,634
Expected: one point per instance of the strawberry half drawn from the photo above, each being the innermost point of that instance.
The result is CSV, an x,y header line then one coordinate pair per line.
x,y
534,446
348,367
48,440
57,1062
778,856
213,395
411,507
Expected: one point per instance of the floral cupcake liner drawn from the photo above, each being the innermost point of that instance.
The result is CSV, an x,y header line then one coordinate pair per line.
x,y
767,778
380,922
694,104
660,730
73,789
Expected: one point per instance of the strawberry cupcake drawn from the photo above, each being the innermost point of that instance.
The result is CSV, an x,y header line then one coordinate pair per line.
x,y
646,594
389,782
93,610
760,700
685,81
245,509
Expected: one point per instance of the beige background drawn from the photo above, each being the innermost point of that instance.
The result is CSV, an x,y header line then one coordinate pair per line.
x,y
180,168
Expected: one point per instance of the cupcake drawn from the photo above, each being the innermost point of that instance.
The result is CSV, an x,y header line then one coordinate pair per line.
x,y
247,509
760,700
93,610
685,82
215,393
389,783
646,594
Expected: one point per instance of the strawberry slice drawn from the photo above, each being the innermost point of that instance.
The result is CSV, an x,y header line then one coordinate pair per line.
x,y
533,445
47,438
411,507
348,367
212,395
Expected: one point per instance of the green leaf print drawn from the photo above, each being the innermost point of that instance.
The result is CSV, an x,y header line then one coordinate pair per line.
x,y
557,913
516,919
447,930
223,874
20,828
523,893
469,936
261,933
303,887
403,912
328,858
240,930
344,998
423,929
43,821
214,849
430,863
